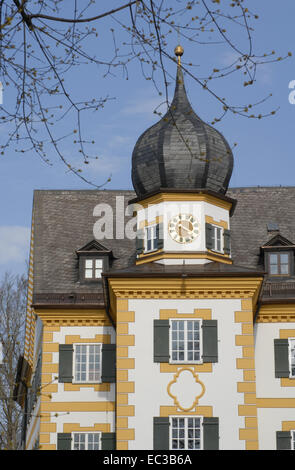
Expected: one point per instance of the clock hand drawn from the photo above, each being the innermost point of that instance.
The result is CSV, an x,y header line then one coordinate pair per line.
x,y
185,228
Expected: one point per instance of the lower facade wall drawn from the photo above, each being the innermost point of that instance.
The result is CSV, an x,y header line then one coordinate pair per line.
x,y
70,407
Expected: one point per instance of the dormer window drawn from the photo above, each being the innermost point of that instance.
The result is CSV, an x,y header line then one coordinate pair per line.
x,y
279,257
93,259
93,268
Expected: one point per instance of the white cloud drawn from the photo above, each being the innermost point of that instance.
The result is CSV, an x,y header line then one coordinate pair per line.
x,y
14,243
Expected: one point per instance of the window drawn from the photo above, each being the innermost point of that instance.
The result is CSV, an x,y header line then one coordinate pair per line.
x,y
185,433
278,264
87,362
93,268
151,240
292,357
185,341
217,238
285,440
86,441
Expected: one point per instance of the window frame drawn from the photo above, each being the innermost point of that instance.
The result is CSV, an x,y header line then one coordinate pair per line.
x,y
215,229
154,240
278,253
186,340
186,418
93,268
74,380
86,440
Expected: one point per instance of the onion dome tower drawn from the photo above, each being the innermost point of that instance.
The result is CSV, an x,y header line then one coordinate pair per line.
x,y
181,151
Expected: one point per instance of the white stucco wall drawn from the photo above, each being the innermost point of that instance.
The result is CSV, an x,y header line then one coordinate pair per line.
x,y
267,386
84,418
199,209
151,385
269,422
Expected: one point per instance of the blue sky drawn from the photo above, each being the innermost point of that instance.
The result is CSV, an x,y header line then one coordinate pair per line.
x,y
264,155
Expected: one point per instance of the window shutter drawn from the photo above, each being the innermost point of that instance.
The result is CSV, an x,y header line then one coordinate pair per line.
x,y
210,347
65,367
108,441
161,433
209,236
161,341
283,440
108,363
64,440
226,244
281,352
211,433
139,242
160,235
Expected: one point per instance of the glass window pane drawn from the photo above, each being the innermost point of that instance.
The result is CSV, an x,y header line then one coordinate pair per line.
x,y
88,263
88,273
98,263
274,269
284,268
284,258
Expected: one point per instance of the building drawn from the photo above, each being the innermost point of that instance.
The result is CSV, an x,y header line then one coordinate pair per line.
x,y
183,338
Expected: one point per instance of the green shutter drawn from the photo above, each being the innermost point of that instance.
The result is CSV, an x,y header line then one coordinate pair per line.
x,y
108,441
210,346
161,341
210,433
65,367
283,440
161,433
140,241
226,244
209,236
108,363
160,236
64,440
281,353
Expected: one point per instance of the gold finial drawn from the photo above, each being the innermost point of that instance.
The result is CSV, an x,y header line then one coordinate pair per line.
x,y
178,51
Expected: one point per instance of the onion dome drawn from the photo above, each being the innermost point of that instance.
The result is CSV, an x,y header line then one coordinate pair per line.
x,y
181,151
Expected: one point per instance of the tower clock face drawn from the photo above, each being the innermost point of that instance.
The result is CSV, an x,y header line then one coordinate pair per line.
x,y
183,228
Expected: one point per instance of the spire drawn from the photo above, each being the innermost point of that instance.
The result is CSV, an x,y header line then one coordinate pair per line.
x,y
180,100
181,151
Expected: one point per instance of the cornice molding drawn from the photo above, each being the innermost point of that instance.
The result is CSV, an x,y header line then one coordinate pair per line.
x,y
184,288
160,254
60,316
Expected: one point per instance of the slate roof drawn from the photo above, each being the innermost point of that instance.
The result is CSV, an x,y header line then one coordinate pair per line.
x,y
63,223
256,207
181,151
64,220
